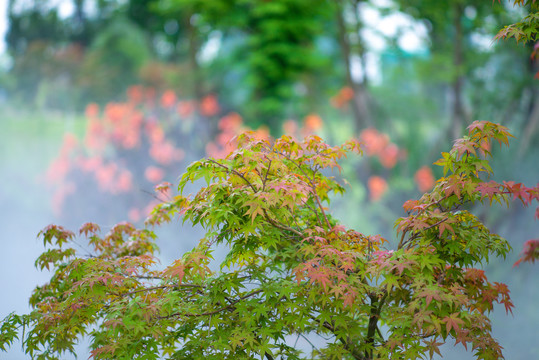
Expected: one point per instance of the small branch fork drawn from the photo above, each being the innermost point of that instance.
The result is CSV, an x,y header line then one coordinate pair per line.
x,y
417,234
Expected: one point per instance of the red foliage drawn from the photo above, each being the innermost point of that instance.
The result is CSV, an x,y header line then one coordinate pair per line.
x,y
313,122
154,174
343,97
424,179
92,110
377,187
530,252
168,99
135,94
209,106
185,109
378,145
134,144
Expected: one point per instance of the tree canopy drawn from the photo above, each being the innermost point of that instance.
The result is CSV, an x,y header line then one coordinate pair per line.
x,y
277,274
291,271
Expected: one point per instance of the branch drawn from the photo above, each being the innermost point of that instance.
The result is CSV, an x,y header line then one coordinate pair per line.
x,y
280,225
417,234
313,187
266,176
345,343
159,287
231,305
236,173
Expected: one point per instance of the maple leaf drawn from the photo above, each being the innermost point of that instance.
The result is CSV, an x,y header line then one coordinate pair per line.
x,y
462,338
400,265
89,228
452,322
433,347
518,190
530,252
429,294
508,304
321,277
381,258
177,269
338,290
421,316
102,350
255,209
409,205
349,298
454,186
299,274
59,233
163,187
490,189
477,126
338,229
446,161
445,226
464,146
418,224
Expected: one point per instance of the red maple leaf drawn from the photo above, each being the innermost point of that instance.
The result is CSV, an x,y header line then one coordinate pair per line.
x,y
409,205
531,250
454,185
418,224
429,294
320,277
463,338
445,226
475,275
400,265
452,322
177,269
89,228
477,125
464,146
489,189
349,298
518,191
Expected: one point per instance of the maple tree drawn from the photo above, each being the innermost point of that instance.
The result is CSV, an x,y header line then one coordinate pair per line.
x,y
291,271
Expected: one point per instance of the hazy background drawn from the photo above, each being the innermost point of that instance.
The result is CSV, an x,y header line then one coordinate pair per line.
x,y
170,81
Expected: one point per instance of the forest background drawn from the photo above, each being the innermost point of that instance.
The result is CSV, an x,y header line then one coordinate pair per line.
x,y
405,77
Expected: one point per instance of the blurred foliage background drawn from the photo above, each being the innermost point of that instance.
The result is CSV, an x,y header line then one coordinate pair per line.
x,y
103,99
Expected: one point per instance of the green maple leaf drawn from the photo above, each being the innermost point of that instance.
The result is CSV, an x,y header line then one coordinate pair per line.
x,y
255,208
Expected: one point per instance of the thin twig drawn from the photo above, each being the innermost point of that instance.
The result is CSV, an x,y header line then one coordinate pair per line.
x,y
236,173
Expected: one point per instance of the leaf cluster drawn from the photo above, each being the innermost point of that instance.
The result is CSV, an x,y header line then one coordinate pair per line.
x,y
291,270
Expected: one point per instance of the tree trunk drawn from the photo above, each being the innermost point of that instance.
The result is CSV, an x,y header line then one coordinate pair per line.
x,y
193,61
79,12
203,129
458,116
531,125
360,103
